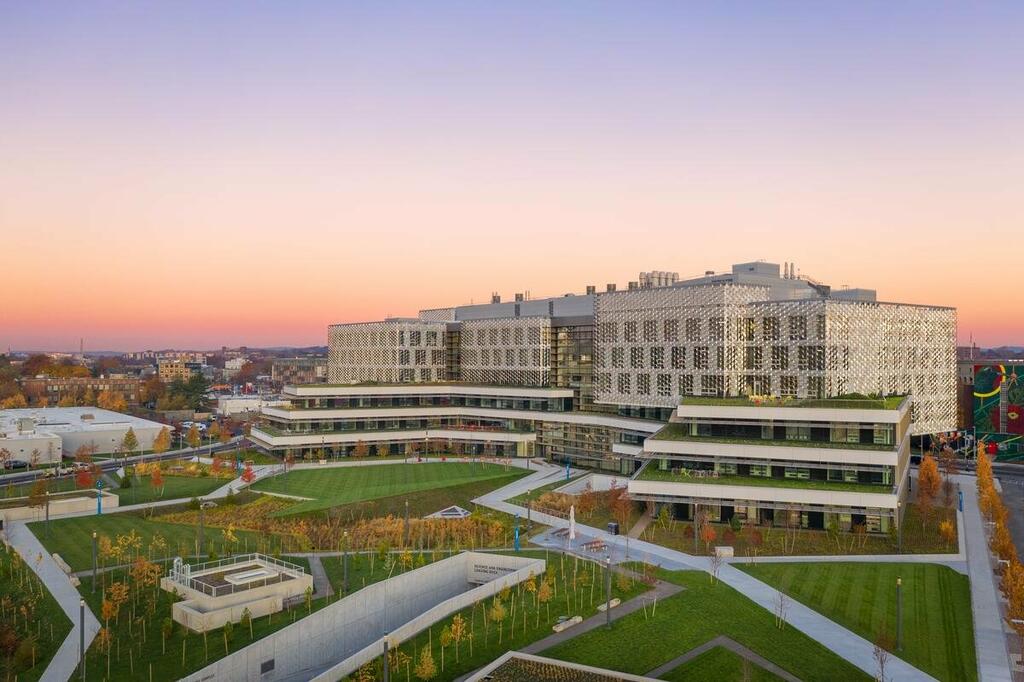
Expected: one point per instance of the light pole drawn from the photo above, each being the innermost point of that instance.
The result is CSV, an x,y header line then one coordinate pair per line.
x,y
47,513
608,591
202,517
344,566
81,636
94,562
899,614
387,673
899,529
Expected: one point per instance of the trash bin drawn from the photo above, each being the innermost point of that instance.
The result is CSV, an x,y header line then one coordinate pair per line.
x,y
613,527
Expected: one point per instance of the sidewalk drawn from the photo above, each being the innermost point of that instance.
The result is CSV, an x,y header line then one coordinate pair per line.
x,y
843,642
64,662
989,637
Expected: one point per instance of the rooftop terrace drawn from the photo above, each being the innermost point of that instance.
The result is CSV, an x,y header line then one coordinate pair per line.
x,y
851,402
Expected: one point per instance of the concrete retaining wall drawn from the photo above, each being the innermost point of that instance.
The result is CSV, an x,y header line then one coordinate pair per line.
x,y
65,504
339,638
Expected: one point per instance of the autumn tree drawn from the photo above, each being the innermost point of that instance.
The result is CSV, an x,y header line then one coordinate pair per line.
x,y
425,668
214,431
130,442
152,390
14,402
459,630
156,481
37,495
248,475
928,484
192,437
112,400
948,532
361,449
162,442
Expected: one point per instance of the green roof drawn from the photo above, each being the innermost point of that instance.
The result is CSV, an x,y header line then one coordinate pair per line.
x,y
653,473
853,402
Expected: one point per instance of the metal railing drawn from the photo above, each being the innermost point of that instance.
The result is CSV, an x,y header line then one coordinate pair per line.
x,y
196,583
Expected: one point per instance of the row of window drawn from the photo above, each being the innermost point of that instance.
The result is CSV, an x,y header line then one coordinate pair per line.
x,y
808,358
509,357
515,336
718,329
644,384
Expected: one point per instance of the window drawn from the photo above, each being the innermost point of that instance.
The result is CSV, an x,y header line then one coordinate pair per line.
x,y
636,357
752,357
700,357
816,387
643,384
609,332
629,331
657,357
618,357
692,329
524,356
716,329
799,473
494,337
664,385
424,375
811,358
780,358
788,386
415,338
678,357
712,385
624,383
437,357
770,329
686,385
747,328
819,327
403,357
517,336
421,357
798,433
510,356
650,330
481,337
533,336
431,338
762,470
506,336
797,328
671,330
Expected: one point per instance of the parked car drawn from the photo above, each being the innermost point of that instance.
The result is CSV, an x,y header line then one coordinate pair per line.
x,y
15,464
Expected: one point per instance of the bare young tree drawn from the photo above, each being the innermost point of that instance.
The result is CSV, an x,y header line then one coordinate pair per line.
x,y
781,606
715,560
883,645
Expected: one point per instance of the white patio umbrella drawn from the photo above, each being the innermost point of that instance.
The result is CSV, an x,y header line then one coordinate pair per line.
x,y
572,523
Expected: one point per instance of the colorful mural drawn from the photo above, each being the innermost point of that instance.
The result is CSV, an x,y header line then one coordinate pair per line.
x,y
999,407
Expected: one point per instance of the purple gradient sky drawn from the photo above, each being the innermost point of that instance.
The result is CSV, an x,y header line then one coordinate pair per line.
x,y
197,174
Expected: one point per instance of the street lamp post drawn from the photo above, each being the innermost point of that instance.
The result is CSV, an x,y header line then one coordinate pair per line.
x,y
344,566
81,636
202,518
387,673
899,614
608,592
47,513
94,562
899,528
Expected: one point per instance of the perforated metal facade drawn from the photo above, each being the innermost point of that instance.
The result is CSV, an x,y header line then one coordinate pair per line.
x,y
514,351
390,351
654,346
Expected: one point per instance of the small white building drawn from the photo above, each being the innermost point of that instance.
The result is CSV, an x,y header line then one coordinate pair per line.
x,y
231,405
57,431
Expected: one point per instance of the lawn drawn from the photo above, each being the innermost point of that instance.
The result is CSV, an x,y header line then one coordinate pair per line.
x,y
719,664
367,568
335,486
34,635
937,621
494,637
174,487
642,641
54,485
72,537
804,542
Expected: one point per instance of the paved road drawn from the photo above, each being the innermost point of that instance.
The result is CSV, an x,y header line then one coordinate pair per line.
x,y
1012,481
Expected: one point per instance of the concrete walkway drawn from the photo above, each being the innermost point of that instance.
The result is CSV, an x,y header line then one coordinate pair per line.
x,y
989,637
321,583
662,590
64,662
833,636
731,645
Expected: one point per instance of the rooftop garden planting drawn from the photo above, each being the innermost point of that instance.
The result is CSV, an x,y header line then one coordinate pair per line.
x,y
676,431
850,401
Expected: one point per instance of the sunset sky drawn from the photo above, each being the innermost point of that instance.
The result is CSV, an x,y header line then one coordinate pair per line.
x,y
202,174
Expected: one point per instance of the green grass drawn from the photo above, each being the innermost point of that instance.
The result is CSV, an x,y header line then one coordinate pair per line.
x,y
640,642
859,403
774,540
54,485
720,664
332,487
72,537
365,570
45,627
653,473
174,487
486,647
937,621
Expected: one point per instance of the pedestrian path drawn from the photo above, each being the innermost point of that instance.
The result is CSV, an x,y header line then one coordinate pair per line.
x,y
989,638
321,584
727,643
840,640
64,662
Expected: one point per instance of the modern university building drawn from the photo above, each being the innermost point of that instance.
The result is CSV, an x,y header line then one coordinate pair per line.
x,y
750,393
